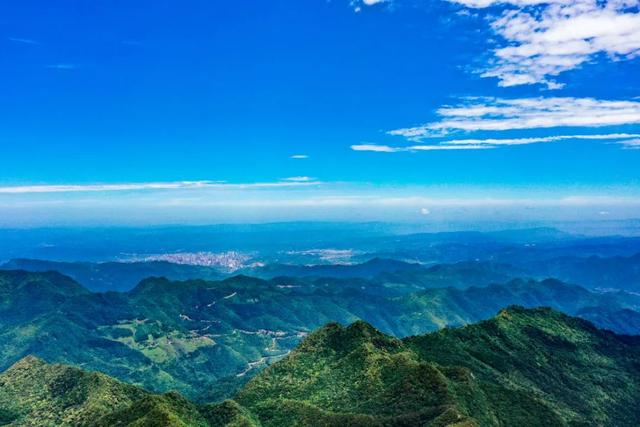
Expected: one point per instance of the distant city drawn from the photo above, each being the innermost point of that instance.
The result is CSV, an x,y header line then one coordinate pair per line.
x,y
228,261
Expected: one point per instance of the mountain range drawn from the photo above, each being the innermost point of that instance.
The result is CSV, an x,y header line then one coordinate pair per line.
x,y
592,270
533,367
207,338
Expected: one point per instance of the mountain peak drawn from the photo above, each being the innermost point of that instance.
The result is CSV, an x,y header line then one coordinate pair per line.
x,y
27,363
336,337
150,283
46,280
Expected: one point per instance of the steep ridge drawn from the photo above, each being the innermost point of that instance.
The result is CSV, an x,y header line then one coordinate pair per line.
x,y
533,367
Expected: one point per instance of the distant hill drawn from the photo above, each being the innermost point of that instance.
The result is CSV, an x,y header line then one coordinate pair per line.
x,y
623,321
124,276
401,274
593,272
437,308
368,269
523,367
207,338
590,271
518,248
462,275
115,276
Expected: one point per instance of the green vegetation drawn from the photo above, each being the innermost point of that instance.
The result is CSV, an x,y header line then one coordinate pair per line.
x,y
33,393
207,339
523,367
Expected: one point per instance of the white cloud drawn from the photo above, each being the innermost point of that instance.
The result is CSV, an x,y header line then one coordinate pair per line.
x,y
434,147
524,141
61,66
425,211
299,179
374,147
178,185
633,144
358,4
23,41
445,146
299,156
542,39
499,114
628,140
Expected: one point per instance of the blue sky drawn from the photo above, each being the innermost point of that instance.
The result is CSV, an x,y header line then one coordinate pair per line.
x,y
416,105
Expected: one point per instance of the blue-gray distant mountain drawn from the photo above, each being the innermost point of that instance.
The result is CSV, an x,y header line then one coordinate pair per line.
x,y
115,276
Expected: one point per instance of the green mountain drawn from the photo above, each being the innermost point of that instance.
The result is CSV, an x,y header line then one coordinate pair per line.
x,y
33,393
523,367
437,308
207,338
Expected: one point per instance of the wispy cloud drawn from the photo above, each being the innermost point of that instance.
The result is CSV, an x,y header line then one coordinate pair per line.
x,y
446,146
299,156
524,141
299,179
541,39
178,185
375,147
499,114
628,140
61,66
633,144
435,147
23,41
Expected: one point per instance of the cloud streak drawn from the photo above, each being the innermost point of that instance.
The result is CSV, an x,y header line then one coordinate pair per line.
x,y
524,141
61,66
500,114
23,41
148,186
412,148
633,144
299,179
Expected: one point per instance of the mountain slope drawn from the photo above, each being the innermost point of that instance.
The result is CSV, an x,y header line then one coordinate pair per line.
x,y
24,295
33,393
436,308
206,339
523,367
